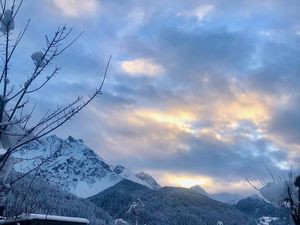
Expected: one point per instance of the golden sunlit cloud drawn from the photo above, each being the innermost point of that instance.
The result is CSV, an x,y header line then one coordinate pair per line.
x,y
180,119
162,138
225,118
145,67
210,184
228,115
76,8
187,181
245,107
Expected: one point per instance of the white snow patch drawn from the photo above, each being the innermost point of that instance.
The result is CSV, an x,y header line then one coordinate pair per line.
x,y
56,218
7,22
38,59
266,220
85,190
120,222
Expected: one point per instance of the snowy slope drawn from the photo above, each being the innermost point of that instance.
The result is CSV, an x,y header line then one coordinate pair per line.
x,y
199,190
73,166
225,197
267,220
140,178
149,180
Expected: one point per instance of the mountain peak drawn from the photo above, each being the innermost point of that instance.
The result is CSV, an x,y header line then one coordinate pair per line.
x,y
141,178
148,179
73,166
199,190
71,139
70,165
119,169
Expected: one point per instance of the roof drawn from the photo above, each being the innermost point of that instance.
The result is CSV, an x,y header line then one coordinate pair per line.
x,y
47,217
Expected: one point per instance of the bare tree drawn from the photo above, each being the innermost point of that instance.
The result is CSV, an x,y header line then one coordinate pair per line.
x,y
17,126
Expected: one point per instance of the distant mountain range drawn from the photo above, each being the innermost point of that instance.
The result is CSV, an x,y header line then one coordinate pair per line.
x,y
70,171
74,167
225,197
167,206
254,206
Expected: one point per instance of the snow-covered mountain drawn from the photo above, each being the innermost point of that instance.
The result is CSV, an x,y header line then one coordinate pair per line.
x,y
225,197
148,179
141,178
167,206
199,190
71,165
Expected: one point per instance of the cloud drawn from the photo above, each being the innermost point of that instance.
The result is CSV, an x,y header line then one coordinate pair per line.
x,y
144,67
285,122
180,119
278,70
172,141
226,96
244,107
201,12
76,8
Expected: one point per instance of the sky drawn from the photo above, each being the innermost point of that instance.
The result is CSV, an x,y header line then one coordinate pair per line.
x,y
198,92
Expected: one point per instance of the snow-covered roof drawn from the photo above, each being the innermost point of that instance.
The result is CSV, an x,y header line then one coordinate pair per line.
x,y
58,218
48,217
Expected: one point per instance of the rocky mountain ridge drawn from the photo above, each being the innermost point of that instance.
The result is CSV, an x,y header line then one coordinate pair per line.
x,y
74,167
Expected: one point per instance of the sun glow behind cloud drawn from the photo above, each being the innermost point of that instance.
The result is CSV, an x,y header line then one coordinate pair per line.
x,y
225,120
187,181
210,184
229,118
177,118
245,107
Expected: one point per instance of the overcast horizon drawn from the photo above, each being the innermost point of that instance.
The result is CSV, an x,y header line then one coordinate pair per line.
x,y
198,92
